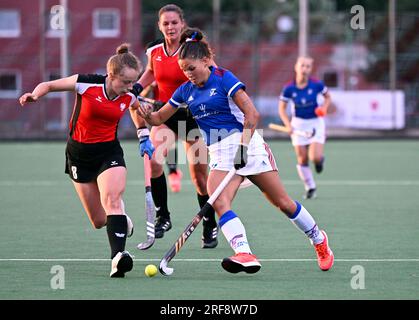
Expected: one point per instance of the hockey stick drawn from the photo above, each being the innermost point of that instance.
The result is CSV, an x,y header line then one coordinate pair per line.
x,y
149,207
302,133
164,269
156,104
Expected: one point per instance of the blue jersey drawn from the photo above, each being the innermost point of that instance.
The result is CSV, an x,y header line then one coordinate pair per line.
x,y
304,100
212,105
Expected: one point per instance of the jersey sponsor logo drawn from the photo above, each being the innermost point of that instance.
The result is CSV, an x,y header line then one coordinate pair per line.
x,y
213,92
99,98
122,106
202,107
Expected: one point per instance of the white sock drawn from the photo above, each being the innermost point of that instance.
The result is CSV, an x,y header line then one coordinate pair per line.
x,y
303,220
234,232
123,207
129,221
306,176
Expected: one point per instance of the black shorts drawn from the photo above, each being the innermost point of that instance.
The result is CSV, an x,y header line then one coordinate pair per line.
x,y
182,123
84,161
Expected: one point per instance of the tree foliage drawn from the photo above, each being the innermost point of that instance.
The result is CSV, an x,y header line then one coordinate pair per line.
x,y
207,5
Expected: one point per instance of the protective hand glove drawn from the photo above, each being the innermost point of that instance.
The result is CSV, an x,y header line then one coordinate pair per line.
x,y
145,146
240,160
320,111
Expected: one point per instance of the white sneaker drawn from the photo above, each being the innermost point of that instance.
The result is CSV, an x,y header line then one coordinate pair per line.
x,y
121,263
130,227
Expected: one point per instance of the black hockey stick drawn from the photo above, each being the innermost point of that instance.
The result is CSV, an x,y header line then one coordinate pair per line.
x,y
164,269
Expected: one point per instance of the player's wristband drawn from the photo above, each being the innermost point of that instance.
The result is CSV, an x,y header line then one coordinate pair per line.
x,y
143,132
137,89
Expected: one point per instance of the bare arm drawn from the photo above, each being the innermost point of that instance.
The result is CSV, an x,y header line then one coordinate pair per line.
x,y
158,117
138,121
147,77
63,84
327,101
251,115
282,109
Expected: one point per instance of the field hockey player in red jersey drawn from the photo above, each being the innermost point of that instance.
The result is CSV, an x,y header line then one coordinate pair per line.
x,y
94,158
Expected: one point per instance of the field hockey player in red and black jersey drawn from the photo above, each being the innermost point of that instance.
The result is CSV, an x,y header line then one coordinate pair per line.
x,y
94,157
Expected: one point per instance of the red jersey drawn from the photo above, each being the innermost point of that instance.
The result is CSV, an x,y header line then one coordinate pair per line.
x,y
95,117
166,70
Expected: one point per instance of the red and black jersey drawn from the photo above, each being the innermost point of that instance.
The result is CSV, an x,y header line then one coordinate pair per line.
x,y
167,72
95,117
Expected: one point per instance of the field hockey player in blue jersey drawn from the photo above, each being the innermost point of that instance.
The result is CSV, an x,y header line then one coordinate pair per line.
x,y
227,119
307,115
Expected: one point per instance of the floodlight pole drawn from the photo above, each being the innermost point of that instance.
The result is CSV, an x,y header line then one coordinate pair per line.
x,y
392,57
42,60
303,28
216,5
64,53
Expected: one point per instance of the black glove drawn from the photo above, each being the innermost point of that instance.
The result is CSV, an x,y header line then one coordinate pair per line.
x,y
240,159
137,89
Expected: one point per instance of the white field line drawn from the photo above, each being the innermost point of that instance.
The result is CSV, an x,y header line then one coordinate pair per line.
x,y
198,260
51,183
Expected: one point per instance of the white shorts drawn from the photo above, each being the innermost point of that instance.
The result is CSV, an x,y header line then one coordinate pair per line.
x,y
308,125
259,155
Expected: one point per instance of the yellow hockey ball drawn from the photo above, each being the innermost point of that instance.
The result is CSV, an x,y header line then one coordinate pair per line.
x,y
150,270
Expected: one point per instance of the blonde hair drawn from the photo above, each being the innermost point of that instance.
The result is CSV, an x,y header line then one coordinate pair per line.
x,y
123,58
304,58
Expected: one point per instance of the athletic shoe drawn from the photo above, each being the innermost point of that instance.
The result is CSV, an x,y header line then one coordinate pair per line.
x,y
121,263
319,166
246,262
130,227
162,225
310,194
209,237
325,256
175,180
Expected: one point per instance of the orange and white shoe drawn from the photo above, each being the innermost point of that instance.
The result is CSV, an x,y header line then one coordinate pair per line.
x,y
175,181
325,256
242,261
